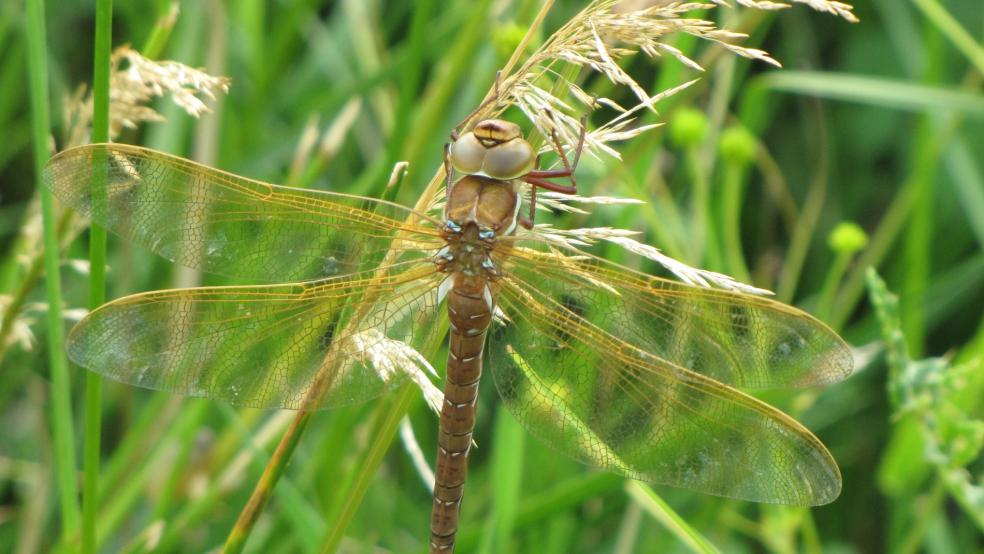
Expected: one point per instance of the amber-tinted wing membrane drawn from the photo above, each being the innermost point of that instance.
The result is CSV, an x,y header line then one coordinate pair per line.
x,y
198,216
299,346
621,376
741,340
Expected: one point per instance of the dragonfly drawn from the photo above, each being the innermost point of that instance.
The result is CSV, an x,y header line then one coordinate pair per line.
x,y
621,370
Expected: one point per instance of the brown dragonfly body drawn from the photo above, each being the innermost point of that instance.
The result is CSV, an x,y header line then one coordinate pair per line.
x,y
470,304
481,208
624,371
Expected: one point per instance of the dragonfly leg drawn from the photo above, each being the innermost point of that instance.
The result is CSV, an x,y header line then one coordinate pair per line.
x,y
568,170
543,183
456,132
539,177
448,168
527,221
563,157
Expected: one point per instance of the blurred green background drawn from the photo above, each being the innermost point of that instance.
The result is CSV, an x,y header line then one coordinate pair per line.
x,y
864,151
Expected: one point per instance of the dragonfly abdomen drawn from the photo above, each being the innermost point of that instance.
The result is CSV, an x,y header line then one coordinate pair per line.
x,y
470,311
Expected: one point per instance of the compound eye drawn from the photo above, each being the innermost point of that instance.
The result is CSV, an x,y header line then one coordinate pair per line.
x,y
509,160
467,154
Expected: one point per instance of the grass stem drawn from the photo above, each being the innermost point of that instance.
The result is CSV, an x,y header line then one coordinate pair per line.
x,y
268,480
950,28
61,418
732,192
97,277
655,506
388,416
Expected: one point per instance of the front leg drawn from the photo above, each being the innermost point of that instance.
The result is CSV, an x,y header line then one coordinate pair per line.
x,y
448,168
539,179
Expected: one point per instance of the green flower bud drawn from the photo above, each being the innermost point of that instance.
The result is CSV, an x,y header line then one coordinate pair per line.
x,y
847,238
688,127
737,145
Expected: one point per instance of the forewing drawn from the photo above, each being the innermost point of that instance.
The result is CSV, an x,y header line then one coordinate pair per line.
x,y
198,216
299,346
740,340
609,404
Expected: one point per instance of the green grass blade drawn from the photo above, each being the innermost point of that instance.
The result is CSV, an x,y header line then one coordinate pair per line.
x,y
969,183
659,509
507,469
271,474
951,29
877,91
97,277
389,416
410,75
62,426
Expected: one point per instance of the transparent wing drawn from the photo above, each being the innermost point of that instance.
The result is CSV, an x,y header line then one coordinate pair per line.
x,y
198,216
300,346
740,340
570,365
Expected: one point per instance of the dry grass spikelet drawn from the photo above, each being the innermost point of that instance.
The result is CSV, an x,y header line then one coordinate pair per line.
x,y
135,82
598,39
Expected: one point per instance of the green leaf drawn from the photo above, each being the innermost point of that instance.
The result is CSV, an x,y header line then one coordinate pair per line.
x,y
877,91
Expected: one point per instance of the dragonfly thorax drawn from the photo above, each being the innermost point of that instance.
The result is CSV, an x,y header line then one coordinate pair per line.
x,y
468,250
479,211
490,204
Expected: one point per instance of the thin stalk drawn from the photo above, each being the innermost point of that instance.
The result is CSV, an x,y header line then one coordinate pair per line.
x,y
154,420
389,417
534,510
893,222
951,29
160,34
232,463
271,474
97,276
433,105
628,530
125,498
507,474
61,418
803,231
732,187
917,244
704,237
829,289
811,537
915,536
888,230
409,82
706,153
303,520
655,506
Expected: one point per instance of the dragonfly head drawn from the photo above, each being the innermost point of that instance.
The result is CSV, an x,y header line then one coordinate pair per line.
x,y
494,148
